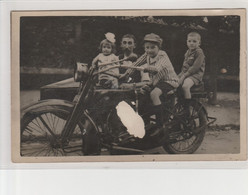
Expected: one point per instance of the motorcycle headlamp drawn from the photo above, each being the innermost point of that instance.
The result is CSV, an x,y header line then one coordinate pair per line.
x,y
80,71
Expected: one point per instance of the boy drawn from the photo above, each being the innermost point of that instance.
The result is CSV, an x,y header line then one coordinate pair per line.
x,y
193,67
162,77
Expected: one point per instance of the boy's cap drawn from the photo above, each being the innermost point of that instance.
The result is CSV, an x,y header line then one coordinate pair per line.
x,y
153,38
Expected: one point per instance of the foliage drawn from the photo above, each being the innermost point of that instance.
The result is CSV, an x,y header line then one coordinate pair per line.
x,y
60,41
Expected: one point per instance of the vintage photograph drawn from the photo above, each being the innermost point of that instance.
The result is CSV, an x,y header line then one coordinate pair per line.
x,y
152,85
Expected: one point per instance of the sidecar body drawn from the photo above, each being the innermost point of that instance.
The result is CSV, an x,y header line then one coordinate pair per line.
x,y
65,90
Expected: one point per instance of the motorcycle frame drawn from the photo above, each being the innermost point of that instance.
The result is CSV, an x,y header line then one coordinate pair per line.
x,y
86,88
80,106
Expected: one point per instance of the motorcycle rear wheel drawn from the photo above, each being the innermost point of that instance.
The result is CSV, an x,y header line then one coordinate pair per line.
x,y
41,133
183,140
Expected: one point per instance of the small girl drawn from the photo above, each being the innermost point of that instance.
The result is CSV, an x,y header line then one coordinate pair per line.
x,y
107,47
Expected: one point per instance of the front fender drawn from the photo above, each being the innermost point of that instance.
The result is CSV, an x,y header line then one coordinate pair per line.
x,y
44,103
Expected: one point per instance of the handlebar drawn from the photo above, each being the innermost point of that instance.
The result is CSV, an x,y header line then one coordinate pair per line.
x,y
119,66
82,72
130,58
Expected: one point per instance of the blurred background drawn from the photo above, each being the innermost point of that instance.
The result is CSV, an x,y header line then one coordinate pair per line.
x,y
50,46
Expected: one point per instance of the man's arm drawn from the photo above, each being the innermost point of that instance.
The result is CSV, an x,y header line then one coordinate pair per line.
x,y
140,61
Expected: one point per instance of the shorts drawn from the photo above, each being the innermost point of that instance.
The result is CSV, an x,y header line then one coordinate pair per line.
x,y
164,87
196,81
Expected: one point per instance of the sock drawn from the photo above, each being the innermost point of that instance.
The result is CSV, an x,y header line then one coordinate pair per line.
x,y
186,106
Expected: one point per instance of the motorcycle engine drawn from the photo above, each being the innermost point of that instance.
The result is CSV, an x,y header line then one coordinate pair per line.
x,y
126,119
114,124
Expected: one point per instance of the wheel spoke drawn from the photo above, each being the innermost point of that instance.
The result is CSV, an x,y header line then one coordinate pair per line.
x,y
183,140
56,123
48,120
37,152
37,124
40,131
48,128
52,122
29,130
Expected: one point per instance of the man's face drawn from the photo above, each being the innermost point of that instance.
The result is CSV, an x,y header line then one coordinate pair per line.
x,y
127,44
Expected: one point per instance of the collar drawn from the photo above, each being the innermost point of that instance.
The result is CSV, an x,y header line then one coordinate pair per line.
x,y
157,57
194,50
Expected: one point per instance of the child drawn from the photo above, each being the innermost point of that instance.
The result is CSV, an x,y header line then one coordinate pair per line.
x,y
162,77
193,67
107,47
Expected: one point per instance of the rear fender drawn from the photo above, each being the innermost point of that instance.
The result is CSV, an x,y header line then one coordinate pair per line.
x,y
200,105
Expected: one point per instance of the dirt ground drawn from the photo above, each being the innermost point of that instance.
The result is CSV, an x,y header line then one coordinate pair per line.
x,y
216,142
223,137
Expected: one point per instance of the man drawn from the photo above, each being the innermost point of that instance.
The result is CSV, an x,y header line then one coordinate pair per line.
x,y
128,44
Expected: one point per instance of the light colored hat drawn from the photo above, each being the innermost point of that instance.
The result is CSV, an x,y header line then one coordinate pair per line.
x,y
110,37
153,38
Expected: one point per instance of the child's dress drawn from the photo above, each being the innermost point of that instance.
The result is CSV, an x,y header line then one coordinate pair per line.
x,y
101,59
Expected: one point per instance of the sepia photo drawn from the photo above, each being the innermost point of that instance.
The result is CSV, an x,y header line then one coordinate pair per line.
x,y
143,85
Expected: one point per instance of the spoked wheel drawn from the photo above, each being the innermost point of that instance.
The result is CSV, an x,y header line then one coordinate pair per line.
x,y
41,133
185,134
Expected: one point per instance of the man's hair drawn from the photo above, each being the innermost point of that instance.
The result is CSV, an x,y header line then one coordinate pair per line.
x,y
129,36
195,34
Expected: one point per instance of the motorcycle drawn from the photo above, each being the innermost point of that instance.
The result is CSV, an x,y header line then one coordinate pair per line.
x,y
90,125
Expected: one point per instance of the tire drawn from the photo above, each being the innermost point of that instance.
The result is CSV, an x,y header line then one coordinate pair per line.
x,y
191,139
41,132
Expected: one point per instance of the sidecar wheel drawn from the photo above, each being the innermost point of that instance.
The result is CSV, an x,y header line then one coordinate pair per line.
x,y
41,132
185,141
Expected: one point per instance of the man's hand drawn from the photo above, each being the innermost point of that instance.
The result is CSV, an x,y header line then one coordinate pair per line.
x,y
123,76
132,57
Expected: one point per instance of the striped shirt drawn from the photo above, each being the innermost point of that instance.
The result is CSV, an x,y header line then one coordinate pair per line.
x,y
140,61
165,69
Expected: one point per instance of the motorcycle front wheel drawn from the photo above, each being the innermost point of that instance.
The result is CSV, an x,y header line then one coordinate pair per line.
x,y
186,135
41,133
